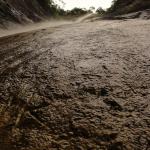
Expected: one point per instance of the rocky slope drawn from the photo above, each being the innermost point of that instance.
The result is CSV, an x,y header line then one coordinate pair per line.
x,y
21,11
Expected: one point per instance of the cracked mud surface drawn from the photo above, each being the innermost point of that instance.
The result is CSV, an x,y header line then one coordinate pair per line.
x,y
84,86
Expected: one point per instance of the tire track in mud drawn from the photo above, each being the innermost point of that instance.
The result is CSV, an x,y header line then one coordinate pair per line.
x,y
21,52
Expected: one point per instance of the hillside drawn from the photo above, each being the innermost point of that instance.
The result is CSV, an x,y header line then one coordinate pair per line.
x,y
128,6
25,11
21,11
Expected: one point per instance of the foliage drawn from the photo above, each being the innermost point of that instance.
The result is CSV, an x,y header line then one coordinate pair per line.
x,y
127,6
100,11
92,9
77,12
54,10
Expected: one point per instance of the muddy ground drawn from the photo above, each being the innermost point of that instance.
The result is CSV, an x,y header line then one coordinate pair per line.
x,y
82,86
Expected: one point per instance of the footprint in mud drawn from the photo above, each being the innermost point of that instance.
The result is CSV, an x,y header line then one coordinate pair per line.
x,y
113,104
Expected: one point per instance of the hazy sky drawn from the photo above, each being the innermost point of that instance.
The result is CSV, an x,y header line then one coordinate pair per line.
x,y
69,4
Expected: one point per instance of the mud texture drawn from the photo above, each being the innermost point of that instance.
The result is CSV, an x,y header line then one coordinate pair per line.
x,y
84,86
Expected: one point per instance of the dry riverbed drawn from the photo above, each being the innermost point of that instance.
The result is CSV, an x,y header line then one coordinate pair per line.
x,y
81,86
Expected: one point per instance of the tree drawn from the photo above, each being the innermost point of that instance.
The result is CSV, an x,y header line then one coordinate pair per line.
x,y
100,11
92,9
77,11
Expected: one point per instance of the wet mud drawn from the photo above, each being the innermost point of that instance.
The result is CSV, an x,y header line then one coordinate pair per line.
x,y
81,86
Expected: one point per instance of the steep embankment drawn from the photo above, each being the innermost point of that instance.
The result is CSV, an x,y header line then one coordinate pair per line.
x,y
21,11
134,9
128,6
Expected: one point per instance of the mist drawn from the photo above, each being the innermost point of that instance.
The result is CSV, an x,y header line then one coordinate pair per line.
x,y
16,28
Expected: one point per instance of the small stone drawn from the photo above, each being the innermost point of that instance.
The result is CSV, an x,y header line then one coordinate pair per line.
x,y
103,92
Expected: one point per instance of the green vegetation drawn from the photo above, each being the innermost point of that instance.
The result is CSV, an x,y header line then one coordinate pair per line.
x,y
120,7
100,11
77,12
128,6
54,10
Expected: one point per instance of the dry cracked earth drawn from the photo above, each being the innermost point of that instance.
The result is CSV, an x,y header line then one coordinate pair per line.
x,y
81,86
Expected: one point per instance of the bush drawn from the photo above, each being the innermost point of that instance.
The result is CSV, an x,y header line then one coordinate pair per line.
x,y
77,12
127,6
100,11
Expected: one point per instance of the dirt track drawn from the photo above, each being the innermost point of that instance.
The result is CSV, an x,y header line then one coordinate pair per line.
x,y
84,86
